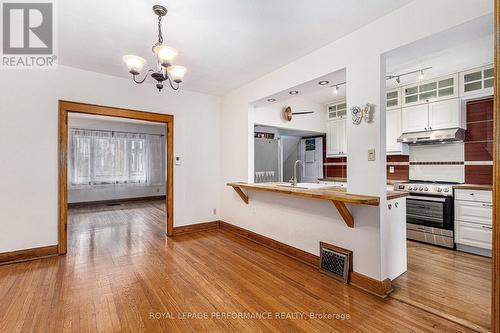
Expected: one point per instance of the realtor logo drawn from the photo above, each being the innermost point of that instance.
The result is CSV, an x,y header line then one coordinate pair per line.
x,y
28,35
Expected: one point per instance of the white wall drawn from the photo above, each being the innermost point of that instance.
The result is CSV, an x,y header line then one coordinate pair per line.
x,y
28,142
271,115
303,223
114,191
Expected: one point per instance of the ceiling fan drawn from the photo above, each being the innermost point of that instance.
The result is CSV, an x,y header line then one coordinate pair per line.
x,y
287,113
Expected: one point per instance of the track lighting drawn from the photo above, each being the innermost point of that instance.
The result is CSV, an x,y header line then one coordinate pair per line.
x,y
398,76
336,90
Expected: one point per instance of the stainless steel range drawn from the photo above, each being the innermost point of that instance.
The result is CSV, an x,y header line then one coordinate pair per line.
x,y
429,212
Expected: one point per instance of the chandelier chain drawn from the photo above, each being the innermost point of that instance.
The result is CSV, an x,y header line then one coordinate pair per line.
x,y
160,35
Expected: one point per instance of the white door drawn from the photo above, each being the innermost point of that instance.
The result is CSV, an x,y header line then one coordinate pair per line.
x,y
415,118
444,114
393,130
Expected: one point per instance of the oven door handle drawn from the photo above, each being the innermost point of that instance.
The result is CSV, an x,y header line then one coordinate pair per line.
x,y
411,197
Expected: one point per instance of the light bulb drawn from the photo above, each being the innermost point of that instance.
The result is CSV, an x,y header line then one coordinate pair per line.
x,y
176,73
336,90
165,54
134,63
421,75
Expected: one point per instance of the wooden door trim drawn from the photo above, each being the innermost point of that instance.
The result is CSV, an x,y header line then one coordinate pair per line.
x,y
66,107
495,282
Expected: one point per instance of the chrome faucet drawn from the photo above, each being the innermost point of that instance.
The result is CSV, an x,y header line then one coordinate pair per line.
x,y
294,180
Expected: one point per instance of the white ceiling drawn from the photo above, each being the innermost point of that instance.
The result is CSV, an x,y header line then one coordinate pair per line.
x,y
466,46
224,43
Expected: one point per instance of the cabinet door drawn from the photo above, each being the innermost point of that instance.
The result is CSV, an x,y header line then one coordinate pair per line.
x,y
336,137
415,118
474,212
393,99
473,234
343,136
444,114
393,130
477,81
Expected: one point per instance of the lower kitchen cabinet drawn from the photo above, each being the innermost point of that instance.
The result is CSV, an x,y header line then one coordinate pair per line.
x,y
473,221
473,234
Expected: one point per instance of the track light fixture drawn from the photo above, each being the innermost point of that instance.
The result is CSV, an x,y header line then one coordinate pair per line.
x,y
336,87
421,74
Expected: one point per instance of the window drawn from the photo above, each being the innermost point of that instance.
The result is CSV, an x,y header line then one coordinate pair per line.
x,y
111,158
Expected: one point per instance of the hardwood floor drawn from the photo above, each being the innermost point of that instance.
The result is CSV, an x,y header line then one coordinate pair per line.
x,y
455,284
122,274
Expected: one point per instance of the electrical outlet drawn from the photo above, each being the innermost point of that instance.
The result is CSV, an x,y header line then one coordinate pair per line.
x,y
391,169
157,190
371,154
215,211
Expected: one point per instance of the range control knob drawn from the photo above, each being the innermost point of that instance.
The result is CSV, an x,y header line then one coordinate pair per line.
x,y
410,188
446,189
426,189
420,188
439,189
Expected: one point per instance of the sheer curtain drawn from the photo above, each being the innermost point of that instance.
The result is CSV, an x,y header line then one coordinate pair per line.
x,y
111,158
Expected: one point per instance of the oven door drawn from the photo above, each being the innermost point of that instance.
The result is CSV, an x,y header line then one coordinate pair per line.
x,y
430,211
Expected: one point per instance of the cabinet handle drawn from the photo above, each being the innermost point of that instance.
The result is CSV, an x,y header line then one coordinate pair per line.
x,y
430,127
425,128
487,205
487,227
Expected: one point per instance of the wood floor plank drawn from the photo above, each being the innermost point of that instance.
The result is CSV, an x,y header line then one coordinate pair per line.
x,y
121,271
452,283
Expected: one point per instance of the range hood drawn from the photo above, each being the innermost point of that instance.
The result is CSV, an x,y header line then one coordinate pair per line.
x,y
432,137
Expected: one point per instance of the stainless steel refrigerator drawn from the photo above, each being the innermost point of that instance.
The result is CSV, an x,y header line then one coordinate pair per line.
x,y
267,160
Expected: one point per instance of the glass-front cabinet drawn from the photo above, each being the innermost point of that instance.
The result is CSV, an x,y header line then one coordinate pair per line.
x,y
477,81
441,88
393,99
337,110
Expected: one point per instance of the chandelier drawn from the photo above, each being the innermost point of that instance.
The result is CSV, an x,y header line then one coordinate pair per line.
x,y
165,55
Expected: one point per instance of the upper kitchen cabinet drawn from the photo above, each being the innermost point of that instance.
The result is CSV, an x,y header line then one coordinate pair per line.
x,y
432,116
437,89
393,132
337,110
336,139
393,99
445,114
477,82
415,118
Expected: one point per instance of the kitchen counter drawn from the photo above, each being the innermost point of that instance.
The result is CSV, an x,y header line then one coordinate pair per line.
x,y
343,179
337,195
473,187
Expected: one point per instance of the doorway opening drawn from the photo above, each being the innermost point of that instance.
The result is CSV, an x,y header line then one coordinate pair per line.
x,y
108,154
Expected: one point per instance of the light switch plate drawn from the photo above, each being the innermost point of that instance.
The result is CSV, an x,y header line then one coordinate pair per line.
x,y
391,169
177,160
371,154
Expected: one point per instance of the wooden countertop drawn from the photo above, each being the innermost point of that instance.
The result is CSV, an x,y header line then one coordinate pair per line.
x,y
337,195
343,180
473,187
334,193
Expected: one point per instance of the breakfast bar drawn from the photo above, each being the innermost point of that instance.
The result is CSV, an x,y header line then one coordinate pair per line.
x,y
337,195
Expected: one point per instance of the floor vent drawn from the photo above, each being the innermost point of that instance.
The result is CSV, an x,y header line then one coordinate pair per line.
x,y
335,261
